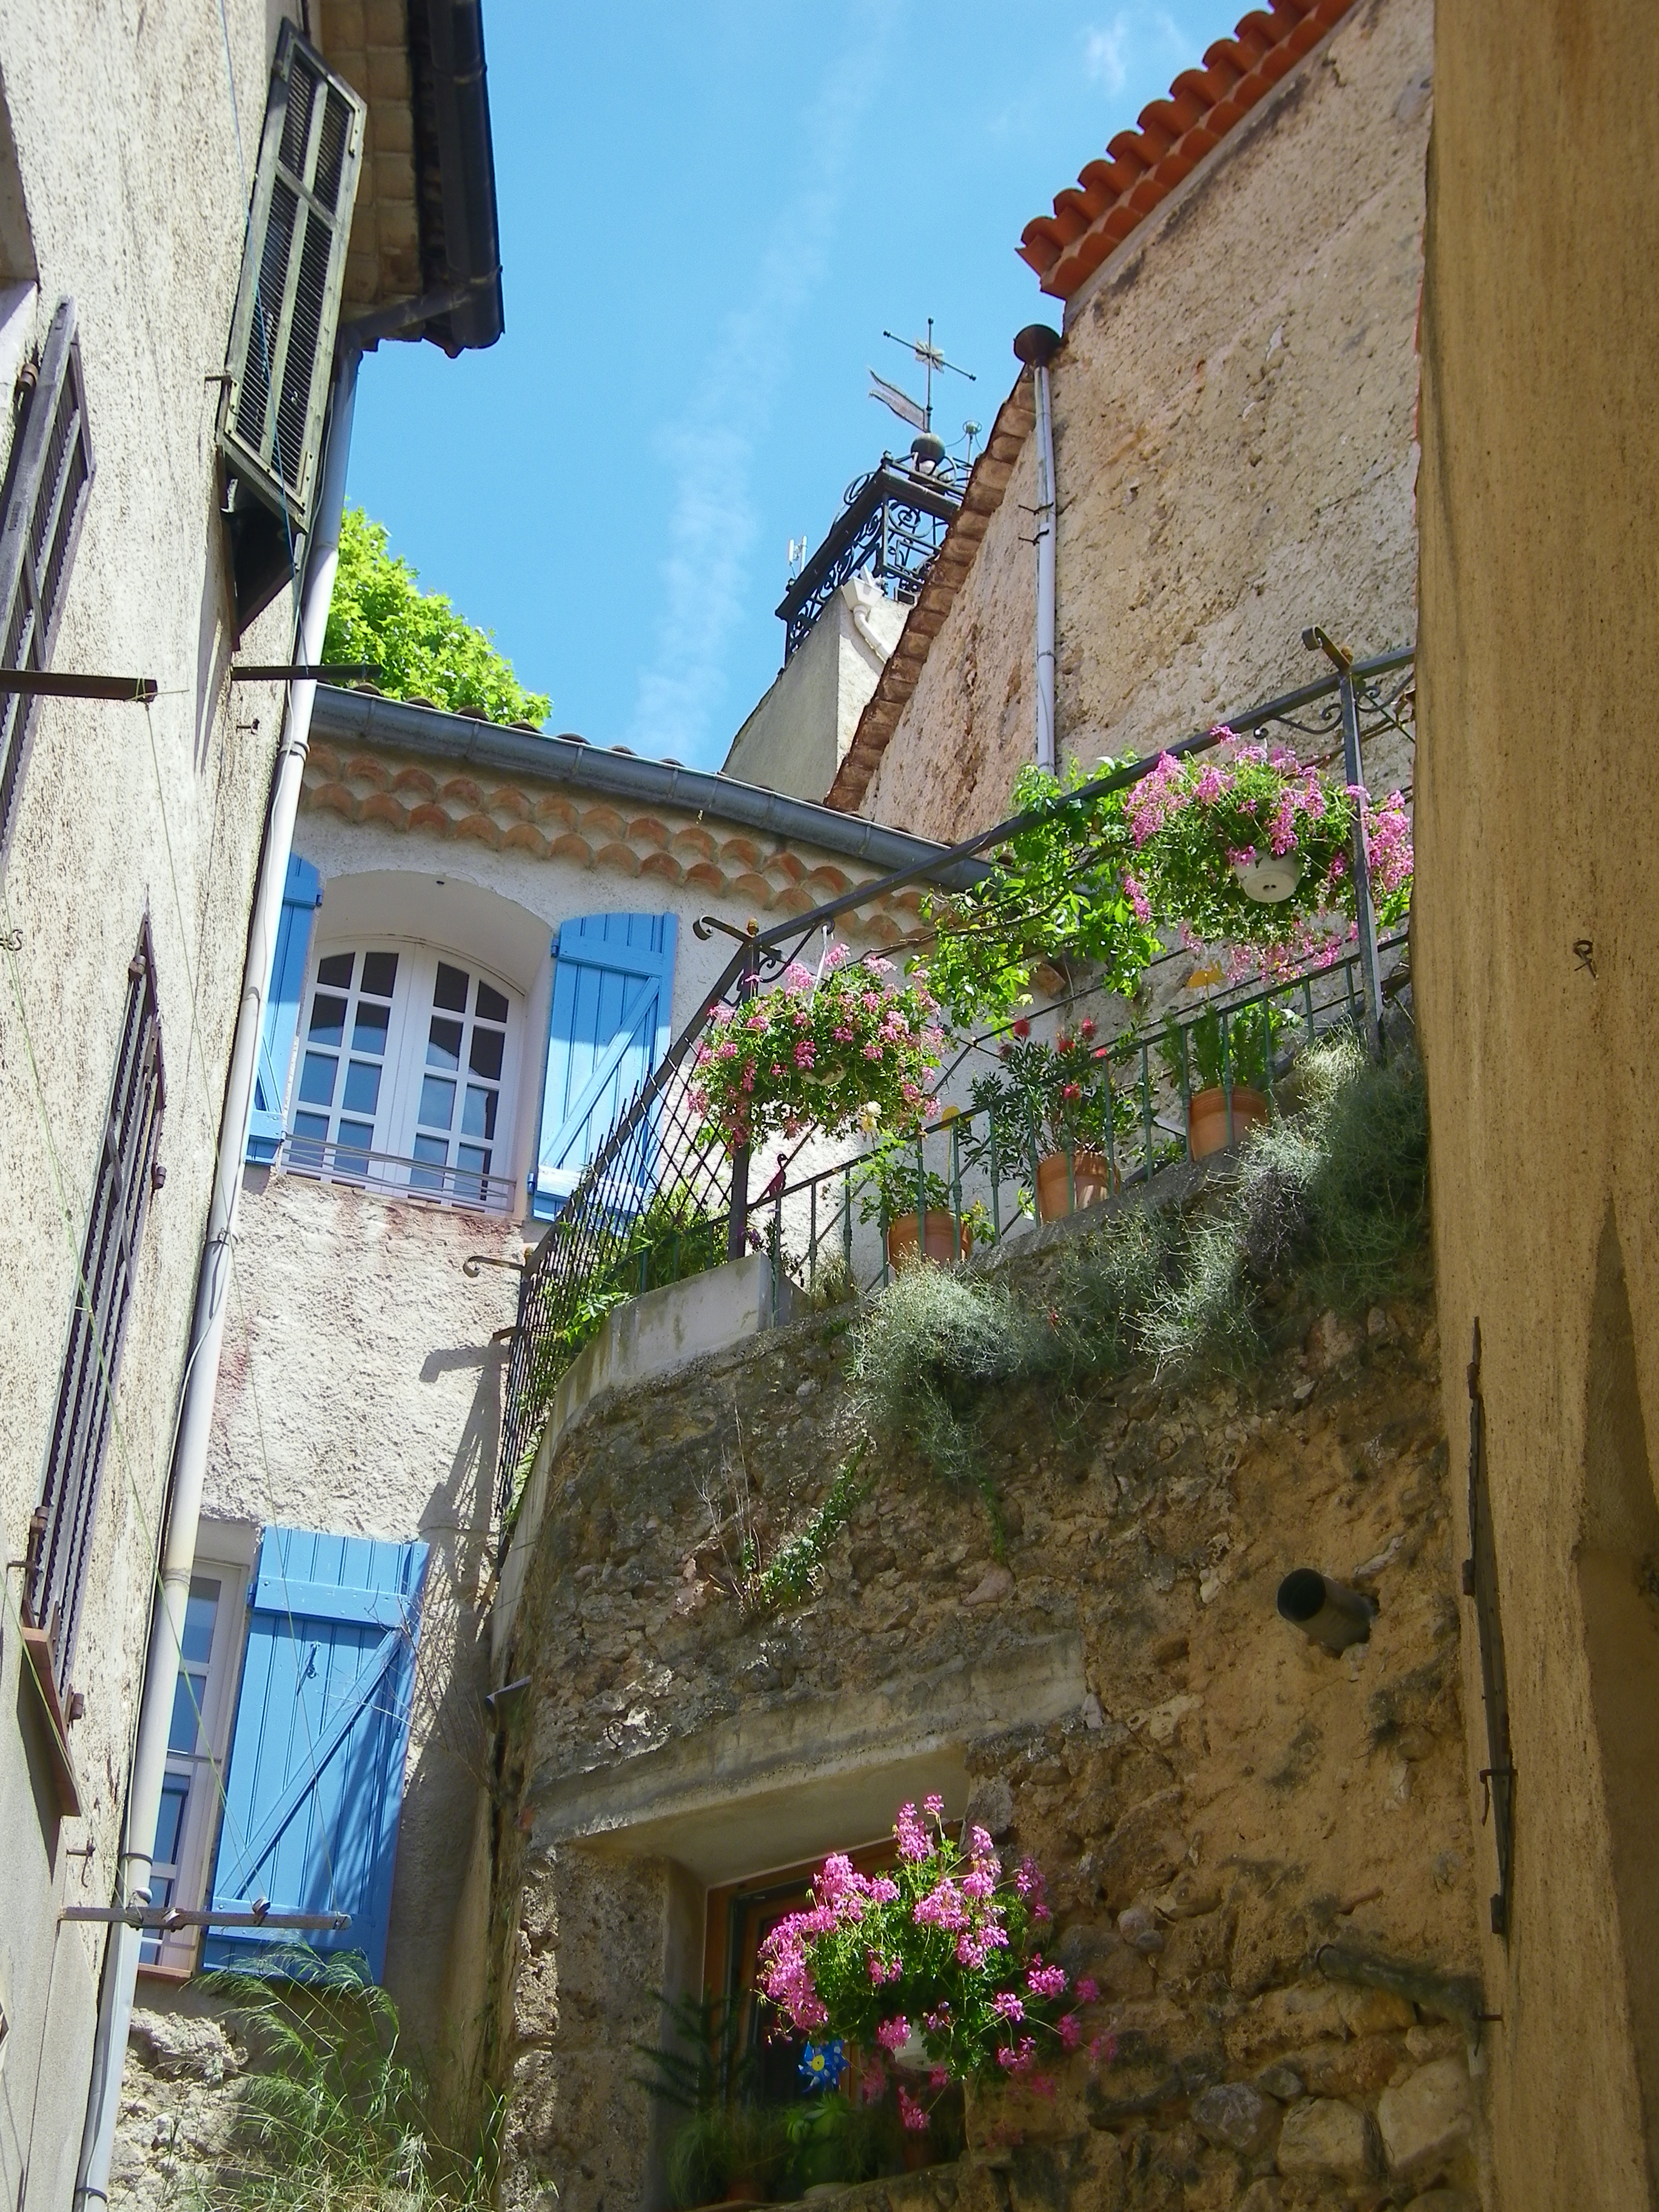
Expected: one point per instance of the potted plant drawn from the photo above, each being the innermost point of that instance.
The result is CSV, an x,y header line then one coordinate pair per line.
x,y
1056,1102
834,1051
946,1946
1246,845
726,2154
896,1187
728,2148
1206,1056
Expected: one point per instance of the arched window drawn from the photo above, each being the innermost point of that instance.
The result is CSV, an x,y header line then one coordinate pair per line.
x,y
407,1062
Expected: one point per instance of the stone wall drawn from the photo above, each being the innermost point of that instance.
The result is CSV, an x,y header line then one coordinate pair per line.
x,y
1262,1853
1234,426
1538,829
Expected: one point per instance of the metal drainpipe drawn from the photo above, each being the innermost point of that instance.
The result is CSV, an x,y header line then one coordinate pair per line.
x,y
208,1325
1036,346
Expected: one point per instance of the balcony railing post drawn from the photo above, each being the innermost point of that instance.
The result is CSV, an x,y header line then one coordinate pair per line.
x,y
1364,912
736,1231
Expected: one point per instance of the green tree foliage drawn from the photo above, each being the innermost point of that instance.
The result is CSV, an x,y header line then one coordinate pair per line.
x,y
423,648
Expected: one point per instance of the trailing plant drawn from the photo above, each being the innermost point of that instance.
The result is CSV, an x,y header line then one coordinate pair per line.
x,y
423,647
795,1570
1055,892
1199,824
834,1052
330,2115
937,1967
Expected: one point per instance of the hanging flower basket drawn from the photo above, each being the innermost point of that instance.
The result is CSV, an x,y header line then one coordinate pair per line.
x,y
1249,845
836,1052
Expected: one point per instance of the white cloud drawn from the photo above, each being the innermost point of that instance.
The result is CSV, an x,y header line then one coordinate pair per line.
x,y
708,451
1111,50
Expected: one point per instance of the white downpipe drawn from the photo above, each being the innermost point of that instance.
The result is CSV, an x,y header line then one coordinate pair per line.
x,y
1045,570
207,1327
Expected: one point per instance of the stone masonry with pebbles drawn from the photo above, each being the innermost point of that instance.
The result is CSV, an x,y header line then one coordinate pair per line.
x,y
1262,1854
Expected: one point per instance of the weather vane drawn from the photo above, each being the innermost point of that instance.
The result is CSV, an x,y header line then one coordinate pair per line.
x,y
918,414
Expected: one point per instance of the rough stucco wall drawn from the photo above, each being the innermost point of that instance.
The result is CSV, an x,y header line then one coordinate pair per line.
x,y
1265,1798
1537,830
1233,425
120,812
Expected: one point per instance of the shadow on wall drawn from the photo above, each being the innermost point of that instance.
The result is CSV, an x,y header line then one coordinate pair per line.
x,y
1618,1568
441,1789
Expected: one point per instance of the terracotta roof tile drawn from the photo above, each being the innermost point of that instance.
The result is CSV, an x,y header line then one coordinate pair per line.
x,y
1114,195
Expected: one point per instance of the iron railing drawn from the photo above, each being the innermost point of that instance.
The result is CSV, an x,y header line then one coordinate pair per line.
x,y
661,1199
394,1175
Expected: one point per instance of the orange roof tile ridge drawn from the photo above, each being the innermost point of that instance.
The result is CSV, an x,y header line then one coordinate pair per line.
x,y
1114,195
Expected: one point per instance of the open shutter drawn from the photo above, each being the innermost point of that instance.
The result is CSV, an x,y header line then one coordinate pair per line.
x,y
316,1774
302,894
288,307
47,485
613,992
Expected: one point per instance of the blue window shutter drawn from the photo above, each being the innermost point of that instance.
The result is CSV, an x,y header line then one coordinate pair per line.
x,y
315,1779
613,1004
302,894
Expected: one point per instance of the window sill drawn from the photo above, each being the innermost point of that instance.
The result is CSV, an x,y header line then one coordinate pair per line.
x,y
176,1977
37,1650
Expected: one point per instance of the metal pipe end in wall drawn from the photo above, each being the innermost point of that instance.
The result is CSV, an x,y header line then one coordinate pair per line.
x,y
1327,1613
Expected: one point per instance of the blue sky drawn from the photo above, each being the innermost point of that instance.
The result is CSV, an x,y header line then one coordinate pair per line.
x,y
709,216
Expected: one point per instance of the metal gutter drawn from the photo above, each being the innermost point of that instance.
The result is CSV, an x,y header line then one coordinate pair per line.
x,y
430,735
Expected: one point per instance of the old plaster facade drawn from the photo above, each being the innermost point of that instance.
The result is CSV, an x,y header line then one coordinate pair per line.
x,y
124,816
1536,828
1234,458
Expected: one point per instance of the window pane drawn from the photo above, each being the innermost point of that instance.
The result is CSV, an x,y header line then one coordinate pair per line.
x,y
474,1158
492,1005
317,1078
170,1820
200,1609
443,1045
369,1030
425,1178
311,1125
380,974
335,970
327,1019
362,1087
479,1114
450,992
354,1137
485,1055
181,1736
437,1101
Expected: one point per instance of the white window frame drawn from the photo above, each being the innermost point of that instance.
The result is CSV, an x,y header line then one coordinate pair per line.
x,y
391,1169
175,1954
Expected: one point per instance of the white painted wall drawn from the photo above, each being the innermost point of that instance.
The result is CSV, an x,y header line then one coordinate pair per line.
x,y
798,735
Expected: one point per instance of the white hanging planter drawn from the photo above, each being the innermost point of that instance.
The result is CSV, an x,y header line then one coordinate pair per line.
x,y
911,2056
1270,880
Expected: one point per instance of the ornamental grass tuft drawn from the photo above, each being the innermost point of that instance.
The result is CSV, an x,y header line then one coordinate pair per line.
x,y
1326,1206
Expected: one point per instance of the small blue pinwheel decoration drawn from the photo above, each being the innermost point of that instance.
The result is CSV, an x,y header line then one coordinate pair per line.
x,y
822,2065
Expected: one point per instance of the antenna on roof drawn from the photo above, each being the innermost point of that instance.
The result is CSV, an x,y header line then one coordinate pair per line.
x,y
796,555
928,357
971,431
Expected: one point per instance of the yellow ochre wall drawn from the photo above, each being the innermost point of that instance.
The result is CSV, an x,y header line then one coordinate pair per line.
x,y
1538,849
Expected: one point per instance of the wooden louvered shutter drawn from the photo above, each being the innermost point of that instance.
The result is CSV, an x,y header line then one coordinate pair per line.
x,y
46,487
613,992
315,1782
302,894
288,308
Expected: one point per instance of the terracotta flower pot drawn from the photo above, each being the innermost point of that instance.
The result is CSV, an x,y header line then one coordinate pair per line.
x,y
1206,1117
941,1243
1092,1177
